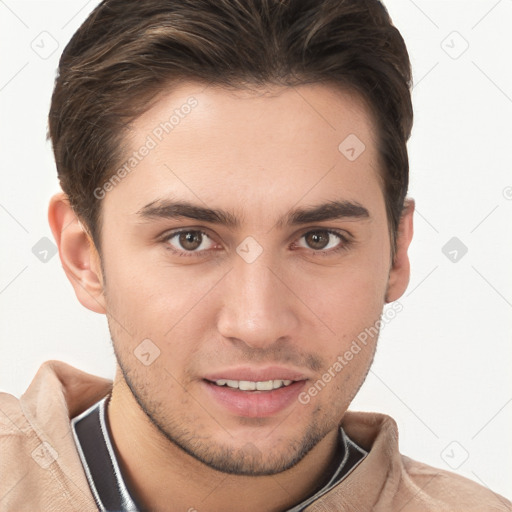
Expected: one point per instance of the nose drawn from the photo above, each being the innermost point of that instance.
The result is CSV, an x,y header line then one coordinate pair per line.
x,y
258,308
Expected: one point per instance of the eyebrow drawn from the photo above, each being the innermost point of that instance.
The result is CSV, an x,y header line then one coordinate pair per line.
x,y
331,210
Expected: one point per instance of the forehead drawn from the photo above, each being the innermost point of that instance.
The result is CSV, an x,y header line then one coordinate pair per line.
x,y
255,148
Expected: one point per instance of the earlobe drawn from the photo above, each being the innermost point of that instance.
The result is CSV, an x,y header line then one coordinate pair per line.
x,y
78,255
400,269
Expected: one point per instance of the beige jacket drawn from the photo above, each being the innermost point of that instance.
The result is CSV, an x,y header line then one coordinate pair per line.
x,y
40,469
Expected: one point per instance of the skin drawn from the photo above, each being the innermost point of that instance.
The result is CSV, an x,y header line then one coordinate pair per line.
x,y
258,155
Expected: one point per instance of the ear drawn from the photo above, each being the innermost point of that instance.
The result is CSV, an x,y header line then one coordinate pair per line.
x,y
78,255
400,268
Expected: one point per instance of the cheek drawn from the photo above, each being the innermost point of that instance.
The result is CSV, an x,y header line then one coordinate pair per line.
x,y
149,299
143,284
347,299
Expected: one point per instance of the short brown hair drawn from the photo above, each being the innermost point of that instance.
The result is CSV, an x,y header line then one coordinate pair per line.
x,y
127,51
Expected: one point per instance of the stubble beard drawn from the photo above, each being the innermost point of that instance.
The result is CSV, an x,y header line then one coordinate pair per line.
x,y
247,460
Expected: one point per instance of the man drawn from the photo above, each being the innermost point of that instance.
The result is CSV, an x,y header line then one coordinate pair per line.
x,y
234,178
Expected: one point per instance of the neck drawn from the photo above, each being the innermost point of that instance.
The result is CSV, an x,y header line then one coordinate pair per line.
x,y
161,476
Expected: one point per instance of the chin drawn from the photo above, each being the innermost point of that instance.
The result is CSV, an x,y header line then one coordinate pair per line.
x,y
249,457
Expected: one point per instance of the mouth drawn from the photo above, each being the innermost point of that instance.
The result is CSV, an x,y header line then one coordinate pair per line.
x,y
253,393
249,385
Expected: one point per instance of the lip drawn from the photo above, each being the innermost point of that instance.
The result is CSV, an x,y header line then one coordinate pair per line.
x,y
255,404
257,374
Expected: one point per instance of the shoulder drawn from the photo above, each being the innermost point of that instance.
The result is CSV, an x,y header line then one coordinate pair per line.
x,y
453,491
20,451
388,480
13,424
39,461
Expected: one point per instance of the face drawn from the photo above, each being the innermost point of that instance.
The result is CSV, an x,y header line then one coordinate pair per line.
x,y
243,253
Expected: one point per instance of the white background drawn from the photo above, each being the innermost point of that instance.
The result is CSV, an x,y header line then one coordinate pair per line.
x,y
442,368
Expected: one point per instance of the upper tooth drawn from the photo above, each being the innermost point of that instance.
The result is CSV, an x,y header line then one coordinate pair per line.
x,y
248,385
264,386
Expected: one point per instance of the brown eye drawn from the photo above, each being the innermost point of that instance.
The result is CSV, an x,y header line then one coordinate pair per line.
x,y
317,239
190,240
323,240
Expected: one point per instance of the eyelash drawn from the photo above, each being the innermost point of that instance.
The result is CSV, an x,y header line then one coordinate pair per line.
x,y
345,242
